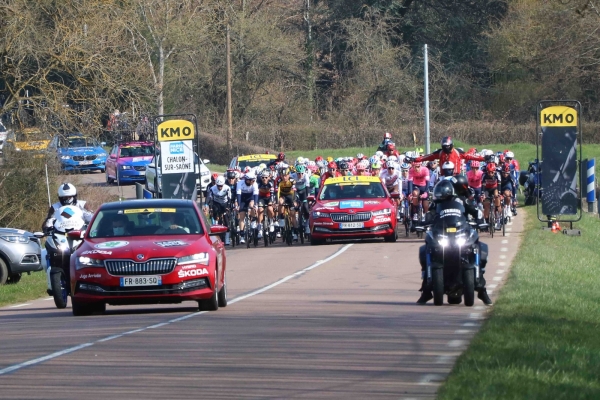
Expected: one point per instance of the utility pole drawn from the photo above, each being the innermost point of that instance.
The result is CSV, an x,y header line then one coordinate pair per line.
x,y
427,149
229,114
310,58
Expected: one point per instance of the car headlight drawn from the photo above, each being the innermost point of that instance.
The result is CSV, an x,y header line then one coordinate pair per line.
x,y
204,173
126,167
443,242
65,157
15,239
199,258
319,214
87,262
385,211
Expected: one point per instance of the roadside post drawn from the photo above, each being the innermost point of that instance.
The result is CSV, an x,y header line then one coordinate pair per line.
x,y
592,204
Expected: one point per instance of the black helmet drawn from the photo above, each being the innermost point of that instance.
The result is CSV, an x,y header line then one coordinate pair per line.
x,y
443,190
231,175
343,165
461,185
447,144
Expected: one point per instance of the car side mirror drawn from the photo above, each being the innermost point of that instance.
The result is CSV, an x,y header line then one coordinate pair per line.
x,y
113,156
102,144
218,229
38,235
75,234
206,161
310,198
395,195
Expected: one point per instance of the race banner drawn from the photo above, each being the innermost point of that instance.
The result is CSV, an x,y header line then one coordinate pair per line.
x,y
559,139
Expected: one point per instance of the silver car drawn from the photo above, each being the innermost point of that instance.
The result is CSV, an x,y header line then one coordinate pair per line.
x,y
20,251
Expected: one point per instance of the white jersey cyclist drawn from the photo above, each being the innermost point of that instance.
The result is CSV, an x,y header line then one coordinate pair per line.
x,y
222,196
391,177
246,191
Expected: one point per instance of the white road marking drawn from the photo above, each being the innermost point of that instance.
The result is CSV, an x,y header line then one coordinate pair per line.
x,y
40,360
508,229
476,316
502,264
504,249
490,291
502,256
479,308
20,305
504,241
48,298
446,358
471,324
462,331
456,343
507,234
492,286
497,278
500,271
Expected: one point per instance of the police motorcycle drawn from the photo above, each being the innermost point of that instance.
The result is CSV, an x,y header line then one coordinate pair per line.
x,y
531,182
452,254
57,253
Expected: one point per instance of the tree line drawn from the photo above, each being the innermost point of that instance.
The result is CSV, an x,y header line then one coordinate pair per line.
x,y
306,73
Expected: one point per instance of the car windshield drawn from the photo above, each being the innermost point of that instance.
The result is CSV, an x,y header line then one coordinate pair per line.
x,y
136,151
352,190
146,222
79,141
31,136
252,163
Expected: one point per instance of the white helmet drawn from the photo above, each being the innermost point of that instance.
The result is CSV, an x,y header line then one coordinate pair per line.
x,y
67,194
401,158
250,176
448,168
509,154
379,154
220,181
393,158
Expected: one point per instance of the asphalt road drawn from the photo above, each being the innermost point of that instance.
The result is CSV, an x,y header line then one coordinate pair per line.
x,y
335,321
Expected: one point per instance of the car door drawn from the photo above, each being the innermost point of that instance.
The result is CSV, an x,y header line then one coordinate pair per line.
x,y
111,162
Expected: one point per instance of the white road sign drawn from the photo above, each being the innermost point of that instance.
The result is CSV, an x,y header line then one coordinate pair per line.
x,y
177,157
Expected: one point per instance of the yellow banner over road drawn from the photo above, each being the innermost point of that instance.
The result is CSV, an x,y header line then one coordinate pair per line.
x,y
175,129
257,157
558,116
352,179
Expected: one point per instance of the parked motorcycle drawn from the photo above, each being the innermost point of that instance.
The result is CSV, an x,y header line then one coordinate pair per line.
x,y
531,182
58,249
452,257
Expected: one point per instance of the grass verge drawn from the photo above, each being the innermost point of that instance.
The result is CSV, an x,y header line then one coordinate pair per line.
x,y
542,340
30,287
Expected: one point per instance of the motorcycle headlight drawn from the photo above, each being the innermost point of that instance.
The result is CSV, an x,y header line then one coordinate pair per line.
x,y
126,167
461,241
199,258
385,211
87,262
15,239
443,242
319,214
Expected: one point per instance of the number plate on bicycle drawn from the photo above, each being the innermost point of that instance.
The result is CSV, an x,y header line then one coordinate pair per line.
x,y
351,225
450,229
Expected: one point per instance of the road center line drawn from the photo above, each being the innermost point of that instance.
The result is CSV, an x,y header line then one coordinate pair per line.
x,y
42,359
20,305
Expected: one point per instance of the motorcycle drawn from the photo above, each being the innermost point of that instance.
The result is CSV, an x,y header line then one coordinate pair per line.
x,y
531,182
57,253
452,256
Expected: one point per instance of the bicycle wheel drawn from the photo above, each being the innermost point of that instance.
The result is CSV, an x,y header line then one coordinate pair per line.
x,y
265,230
287,231
492,223
301,227
407,218
232,230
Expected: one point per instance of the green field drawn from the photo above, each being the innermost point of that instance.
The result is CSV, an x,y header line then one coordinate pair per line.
x,y
542,340
30,287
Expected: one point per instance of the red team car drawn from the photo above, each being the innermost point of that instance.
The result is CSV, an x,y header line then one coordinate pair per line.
x,y
353,207
145,252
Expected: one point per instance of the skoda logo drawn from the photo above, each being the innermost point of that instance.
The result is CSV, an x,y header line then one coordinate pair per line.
x,y
140,256
352,211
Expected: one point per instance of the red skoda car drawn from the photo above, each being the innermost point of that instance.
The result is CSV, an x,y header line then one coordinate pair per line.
x,y
353,207
148,252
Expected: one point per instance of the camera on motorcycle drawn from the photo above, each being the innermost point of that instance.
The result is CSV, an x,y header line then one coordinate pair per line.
x,y
76,234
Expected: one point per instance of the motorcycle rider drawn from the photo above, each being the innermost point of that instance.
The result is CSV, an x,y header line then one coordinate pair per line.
x,y
67,196
449,153
445,196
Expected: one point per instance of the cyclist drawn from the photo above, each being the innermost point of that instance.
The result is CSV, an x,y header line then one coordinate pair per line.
x,y
285,195
490,182
302,191
266,191
218,199
387,138
434,174
515,169
474,176
508,187
419,176
247,199
376,168
344,168
447,170
449,153
332,172
279,160
407,188
391,150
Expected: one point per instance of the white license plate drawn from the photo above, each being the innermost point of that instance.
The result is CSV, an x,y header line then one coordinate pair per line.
x,y
351,225
85,162
141,281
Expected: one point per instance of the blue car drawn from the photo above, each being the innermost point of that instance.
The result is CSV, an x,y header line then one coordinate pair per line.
x,y
77,152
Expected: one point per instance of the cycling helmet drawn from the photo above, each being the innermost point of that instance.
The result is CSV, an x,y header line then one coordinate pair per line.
x,y
214,176
265,174
405,167
391,146
509,154
448,168
220,181
391,164
301,169
447,144
313,167
506,168
360,156
373,159
299,160
387,135
461,185
491,167
376,165
281,156
393,158
444,190
262,166
332,165
384,158
247,169
475,164
231,175
311,164
379,154
67,194
360,167
401,158
250,176
319,158
343,165
329,159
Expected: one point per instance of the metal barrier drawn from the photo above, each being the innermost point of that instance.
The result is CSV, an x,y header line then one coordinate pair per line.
x,y
141,192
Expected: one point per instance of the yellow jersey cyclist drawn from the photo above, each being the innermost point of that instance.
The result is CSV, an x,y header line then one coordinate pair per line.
x,y
285,194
